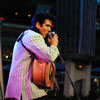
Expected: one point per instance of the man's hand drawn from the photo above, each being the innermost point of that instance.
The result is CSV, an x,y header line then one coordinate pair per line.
x,y
54,40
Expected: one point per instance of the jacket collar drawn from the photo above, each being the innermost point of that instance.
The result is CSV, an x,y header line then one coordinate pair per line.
x,y
35,29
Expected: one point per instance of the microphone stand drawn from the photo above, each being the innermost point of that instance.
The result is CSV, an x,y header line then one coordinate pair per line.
x,y
50,35
66,69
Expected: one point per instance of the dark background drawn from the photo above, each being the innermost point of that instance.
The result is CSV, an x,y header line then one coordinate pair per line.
x,y
68,20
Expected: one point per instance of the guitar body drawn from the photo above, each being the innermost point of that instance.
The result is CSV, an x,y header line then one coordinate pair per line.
x,y
49,74
43,73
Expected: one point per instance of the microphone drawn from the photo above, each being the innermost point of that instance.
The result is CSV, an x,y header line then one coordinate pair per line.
x,y
51,34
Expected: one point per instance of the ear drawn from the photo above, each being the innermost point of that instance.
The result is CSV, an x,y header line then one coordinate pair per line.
x,y
38,25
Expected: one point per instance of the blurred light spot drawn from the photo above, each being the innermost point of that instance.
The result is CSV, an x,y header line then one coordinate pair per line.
x,y
16,13
95,80
29,15
1,18
6,56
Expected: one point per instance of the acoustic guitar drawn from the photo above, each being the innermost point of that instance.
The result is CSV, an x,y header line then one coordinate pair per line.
x,y
44,74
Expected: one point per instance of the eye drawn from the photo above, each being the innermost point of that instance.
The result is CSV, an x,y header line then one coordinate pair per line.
x,y
48,25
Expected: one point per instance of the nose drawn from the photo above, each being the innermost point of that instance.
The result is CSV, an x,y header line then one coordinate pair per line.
x,y
49,29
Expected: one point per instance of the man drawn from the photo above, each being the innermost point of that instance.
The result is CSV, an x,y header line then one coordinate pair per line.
x,y
20,76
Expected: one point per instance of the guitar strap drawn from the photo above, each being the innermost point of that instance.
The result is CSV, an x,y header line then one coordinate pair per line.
x,y
32,54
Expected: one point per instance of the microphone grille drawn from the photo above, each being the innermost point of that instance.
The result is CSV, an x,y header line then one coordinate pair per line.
x,y
51,34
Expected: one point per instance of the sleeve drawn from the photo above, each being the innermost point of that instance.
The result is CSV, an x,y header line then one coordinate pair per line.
x,y
38,46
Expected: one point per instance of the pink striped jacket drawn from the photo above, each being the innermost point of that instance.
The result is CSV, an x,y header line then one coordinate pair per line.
x,y
19,81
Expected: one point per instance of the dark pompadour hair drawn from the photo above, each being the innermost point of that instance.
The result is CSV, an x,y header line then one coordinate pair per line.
x,y
41,18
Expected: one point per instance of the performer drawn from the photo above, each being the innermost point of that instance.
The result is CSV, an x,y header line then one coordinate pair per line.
x,y
19,82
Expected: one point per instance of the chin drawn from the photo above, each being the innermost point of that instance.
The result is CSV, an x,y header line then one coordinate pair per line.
x,y
44,36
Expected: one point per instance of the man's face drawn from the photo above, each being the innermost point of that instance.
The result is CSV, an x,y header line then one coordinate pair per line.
x,y
45,28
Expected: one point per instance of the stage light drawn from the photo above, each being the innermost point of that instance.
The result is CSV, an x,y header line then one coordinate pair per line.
x,y
95,80
29,15
52,25
80,66
6,56
16,13
1,18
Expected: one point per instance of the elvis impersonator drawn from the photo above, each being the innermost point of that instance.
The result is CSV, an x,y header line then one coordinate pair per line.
x,y
19,82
